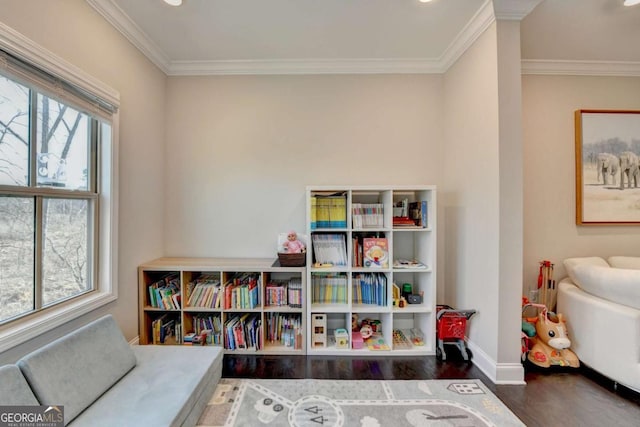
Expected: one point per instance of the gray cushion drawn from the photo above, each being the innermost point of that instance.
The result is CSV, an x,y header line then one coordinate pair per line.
x,y
169,386
14,389
76,369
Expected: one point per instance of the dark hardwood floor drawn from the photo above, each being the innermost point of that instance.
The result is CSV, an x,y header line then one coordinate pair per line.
x,y
550,398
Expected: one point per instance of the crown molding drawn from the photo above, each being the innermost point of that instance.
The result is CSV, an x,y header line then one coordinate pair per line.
x,y
514,9
486,15
121,21
581,68
306,66
478,24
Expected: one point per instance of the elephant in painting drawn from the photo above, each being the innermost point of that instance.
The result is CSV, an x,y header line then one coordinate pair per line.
x,y
629,167
607,164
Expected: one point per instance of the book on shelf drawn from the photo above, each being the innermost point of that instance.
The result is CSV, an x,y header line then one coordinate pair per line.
x,y
242,291
205,292
370,288
284,329
165,293
276,294
163,330
418,212
328,210
403,221
329,289
295,292
367,215
284,293
357,256
208,327
405,263
243,331
375,251
330,249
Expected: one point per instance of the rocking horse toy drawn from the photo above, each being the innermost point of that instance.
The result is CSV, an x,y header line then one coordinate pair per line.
x,y
551,342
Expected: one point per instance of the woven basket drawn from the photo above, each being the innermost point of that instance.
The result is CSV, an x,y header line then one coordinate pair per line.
x,y
292,260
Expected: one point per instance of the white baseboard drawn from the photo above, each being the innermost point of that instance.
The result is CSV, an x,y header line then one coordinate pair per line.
x,y
498,373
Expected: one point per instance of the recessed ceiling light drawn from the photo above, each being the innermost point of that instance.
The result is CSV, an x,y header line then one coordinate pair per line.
x,y
173,2
631,2
425,1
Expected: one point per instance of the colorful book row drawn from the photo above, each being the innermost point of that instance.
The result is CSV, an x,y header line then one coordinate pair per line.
x,y
205,292
329,289
165,293
279,293
370,288
285,329
367,215
329,211
244,332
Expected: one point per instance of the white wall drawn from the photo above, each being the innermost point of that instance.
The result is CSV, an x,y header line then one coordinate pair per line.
x,y
74,31
471,191
549,184
483,196
242,149
511,201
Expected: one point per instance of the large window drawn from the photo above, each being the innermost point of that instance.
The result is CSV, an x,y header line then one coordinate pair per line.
x,y
57,198
48,157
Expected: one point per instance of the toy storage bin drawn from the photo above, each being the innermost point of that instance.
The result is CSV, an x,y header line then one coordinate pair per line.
x,y
292,260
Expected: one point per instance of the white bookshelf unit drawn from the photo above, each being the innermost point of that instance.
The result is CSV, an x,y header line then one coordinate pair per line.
x,y
186,271
335,272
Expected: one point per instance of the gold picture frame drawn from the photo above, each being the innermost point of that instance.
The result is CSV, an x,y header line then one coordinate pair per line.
x,y
607,167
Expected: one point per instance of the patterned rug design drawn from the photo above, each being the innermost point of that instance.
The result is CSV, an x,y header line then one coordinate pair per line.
x,y
350,403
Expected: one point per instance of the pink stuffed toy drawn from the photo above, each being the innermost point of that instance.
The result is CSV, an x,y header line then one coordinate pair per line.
x,y
293,245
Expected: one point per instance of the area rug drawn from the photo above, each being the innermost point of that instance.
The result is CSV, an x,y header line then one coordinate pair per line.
x,y
365,403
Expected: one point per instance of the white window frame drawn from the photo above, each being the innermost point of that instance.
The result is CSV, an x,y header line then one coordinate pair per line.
x,y
106,286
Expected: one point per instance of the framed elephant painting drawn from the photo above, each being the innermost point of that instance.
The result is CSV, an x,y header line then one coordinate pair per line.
x,y
607,170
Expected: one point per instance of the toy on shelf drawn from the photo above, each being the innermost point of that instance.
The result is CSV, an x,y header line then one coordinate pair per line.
x,y
417,337
319,326
292,249
396,295
550,344
292,245
400,340
377,342
342,338
357,342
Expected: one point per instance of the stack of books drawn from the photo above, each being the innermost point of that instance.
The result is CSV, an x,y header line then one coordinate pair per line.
x,y
329,210
204,292
329,289
165,293
330,249
370,288
367,215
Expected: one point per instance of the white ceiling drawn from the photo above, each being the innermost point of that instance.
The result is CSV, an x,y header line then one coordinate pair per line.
x,y
339,36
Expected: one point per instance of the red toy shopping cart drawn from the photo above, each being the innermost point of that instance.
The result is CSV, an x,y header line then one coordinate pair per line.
x,y
450,329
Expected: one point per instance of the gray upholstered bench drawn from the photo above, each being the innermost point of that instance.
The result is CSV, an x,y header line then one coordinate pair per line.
x,y
103,381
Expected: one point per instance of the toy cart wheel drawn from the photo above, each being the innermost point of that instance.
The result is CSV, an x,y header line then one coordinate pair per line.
x,y
438,353
469,355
